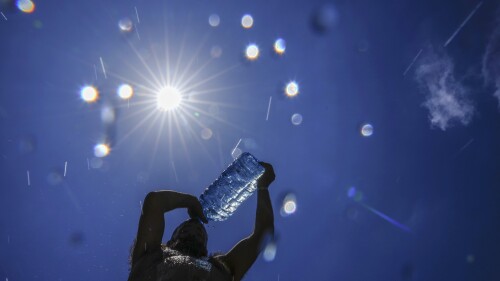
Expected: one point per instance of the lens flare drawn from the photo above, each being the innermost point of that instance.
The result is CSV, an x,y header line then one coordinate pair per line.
x,y
292,89
168,98
289,205
125,91
89,94
214,20
247,21
125,25
367,130
216,52
26,6
101,150
325,18
252,52
351,192
296,119
206,134
270,251
108,115
280,46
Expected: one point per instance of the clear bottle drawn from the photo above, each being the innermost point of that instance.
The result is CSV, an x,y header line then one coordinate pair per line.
x,y
221,199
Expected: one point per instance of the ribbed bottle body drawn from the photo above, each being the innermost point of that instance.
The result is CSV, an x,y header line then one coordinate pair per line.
x,y
238,182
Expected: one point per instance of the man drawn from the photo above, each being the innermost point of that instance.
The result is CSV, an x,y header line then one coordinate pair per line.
x,y
184,257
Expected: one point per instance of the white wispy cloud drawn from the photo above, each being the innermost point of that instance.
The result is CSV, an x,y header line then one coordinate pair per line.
x,y
491,62
446,97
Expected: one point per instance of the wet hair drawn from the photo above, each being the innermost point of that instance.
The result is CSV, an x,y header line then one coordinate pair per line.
x,y
191,248
187,246
178,228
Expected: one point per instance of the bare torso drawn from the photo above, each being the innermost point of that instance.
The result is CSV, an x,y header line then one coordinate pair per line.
x,y
170,265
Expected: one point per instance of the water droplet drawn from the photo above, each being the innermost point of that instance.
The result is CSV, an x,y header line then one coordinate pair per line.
x,y
214,20
289,205
125,25
108,114
247,21
55,177
269,253
325,18
292,89
280,46
236,153
26,6
367,130
89,94
206,133
296,119
351,192
125,91
216,52
252,52
101,150
27,144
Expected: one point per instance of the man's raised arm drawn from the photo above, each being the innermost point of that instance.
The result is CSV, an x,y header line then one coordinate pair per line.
x,y
152,221
241,257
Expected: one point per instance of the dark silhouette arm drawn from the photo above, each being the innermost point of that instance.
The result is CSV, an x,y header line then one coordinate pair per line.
x,y
241,257
152,221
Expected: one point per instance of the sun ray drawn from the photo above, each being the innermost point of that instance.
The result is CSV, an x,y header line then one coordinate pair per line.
x,y
219,89
194,86
167,51
148,108
193,58
216,103
135,128
191,78
195,74
150,71
171,155
197,138
158,66
129,81
179,58
157,141
153,123
219,145
183,142
141,75
212,116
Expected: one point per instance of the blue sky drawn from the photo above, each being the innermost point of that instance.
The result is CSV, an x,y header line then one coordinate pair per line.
x,y
431,163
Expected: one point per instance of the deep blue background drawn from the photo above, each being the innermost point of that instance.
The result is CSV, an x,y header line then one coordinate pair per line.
x,y
81,226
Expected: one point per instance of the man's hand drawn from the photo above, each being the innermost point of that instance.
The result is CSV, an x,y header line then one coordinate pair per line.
x,y
195,210
268,177
241,257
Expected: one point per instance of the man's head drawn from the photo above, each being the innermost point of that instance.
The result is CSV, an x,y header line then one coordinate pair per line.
x,y
190,238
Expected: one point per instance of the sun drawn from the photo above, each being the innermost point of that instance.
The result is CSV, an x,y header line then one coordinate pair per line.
x,y
168,98
169,93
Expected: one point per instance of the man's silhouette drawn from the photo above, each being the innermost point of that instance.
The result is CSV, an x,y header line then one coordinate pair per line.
x,y
185,256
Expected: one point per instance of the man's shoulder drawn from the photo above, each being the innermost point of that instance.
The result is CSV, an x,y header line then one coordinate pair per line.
x,y
217,259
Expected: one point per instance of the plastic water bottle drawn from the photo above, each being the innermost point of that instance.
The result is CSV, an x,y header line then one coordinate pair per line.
x,y
221,199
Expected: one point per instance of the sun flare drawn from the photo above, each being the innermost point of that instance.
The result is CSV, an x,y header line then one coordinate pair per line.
x,y
168,98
